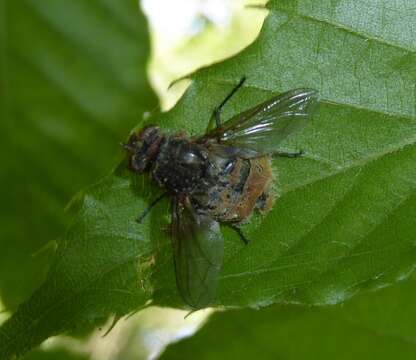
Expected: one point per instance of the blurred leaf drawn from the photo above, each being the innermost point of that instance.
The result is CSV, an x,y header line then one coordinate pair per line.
x,y
54,354
74,81
343,222
376,325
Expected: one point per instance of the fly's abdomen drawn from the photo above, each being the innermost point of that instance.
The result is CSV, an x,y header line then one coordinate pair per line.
x,y
245,188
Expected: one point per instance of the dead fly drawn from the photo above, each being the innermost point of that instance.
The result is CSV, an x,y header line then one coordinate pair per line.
x,y
220,177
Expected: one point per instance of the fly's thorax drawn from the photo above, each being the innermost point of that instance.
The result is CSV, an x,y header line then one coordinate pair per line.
x,y
181,165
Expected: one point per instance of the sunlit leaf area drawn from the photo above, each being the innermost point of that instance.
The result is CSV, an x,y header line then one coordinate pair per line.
x,y
327,273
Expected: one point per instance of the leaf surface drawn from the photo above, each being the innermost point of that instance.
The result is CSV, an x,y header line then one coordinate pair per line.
x,y
343,218
375,325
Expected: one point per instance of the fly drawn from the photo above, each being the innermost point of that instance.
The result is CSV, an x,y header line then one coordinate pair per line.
x,y
219,177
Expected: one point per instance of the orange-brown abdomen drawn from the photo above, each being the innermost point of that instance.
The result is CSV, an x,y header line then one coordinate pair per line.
x,y
249,184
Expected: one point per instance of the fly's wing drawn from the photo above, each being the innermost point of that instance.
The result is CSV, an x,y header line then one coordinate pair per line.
x,y
261,129
198,249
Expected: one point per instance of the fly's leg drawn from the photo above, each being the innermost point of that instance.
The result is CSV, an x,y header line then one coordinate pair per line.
x,y
240,233
289,155
141,217
218,110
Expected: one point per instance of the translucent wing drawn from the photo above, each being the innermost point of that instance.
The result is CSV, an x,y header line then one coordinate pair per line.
x,y
262,128
198,249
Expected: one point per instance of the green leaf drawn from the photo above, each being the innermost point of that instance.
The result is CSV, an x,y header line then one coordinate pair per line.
x,y
376,325
343,218
74,81
55,354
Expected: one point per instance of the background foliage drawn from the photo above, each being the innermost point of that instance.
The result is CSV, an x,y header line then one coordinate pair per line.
x,y
343,220
376,325
76,84
74,75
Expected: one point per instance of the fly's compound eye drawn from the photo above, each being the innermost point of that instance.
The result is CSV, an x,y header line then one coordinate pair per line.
x,y
138,162
133,144
137,144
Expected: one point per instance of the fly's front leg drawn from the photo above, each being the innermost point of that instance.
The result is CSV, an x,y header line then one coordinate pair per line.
x,y
141,217
218,110
217,116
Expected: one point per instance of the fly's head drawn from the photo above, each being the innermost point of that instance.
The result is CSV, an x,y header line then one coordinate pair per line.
x,y
143,148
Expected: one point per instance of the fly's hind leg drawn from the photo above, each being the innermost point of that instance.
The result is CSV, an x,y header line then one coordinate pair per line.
x,y
218,110
240,233
289,155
